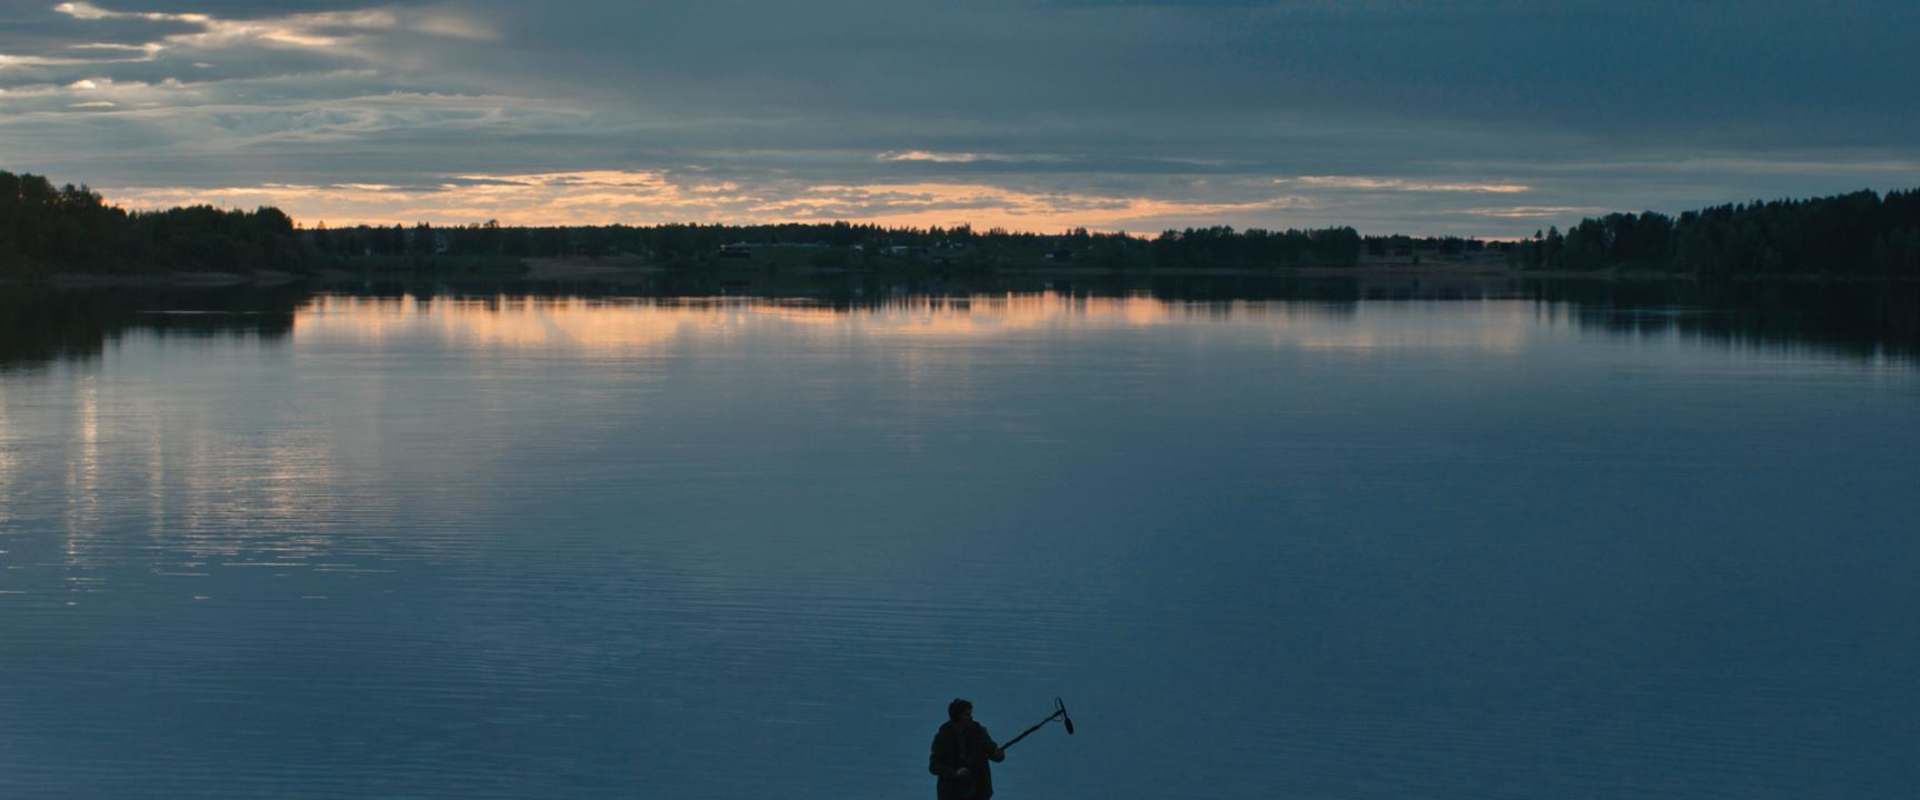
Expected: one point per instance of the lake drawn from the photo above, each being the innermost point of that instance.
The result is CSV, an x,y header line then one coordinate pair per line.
x,y
1327,541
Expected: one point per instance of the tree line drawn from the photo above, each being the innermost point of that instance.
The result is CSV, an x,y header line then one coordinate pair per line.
x,y
1856,234
44,229
72,228
1193,247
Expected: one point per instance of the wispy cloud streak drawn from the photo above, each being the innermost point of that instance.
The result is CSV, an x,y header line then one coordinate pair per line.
x,y
1360,183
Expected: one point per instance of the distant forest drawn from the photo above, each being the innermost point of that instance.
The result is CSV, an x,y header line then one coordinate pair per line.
x,y
72,229
46,229
1861,233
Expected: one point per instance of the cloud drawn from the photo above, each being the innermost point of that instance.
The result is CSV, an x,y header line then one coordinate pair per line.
x,y
937,158
302,30
1532,212
1402,184
1385,114
72,36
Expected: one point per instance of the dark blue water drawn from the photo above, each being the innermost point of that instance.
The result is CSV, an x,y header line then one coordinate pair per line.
x,y
511,547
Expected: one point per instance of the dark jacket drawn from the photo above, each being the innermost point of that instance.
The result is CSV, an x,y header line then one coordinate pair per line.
x,y
963,744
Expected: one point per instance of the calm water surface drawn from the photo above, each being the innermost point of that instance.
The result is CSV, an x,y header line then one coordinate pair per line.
x,y
725,548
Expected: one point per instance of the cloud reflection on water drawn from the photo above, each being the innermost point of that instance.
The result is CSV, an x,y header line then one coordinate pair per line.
x,y
244,488
140,436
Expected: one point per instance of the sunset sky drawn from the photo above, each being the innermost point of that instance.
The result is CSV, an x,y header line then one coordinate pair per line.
x,y
1484,118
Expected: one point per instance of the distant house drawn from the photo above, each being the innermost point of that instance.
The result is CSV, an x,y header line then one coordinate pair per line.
x,y
736,250
1061,255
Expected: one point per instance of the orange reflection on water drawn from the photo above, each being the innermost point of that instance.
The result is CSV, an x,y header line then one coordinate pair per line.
x,y
639,323
503,322
980,315
611,327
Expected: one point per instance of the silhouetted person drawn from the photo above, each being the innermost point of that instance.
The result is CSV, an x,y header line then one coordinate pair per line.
x,y
961,752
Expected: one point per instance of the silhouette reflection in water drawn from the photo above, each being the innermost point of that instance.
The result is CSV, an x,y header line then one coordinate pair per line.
x,y
1866,320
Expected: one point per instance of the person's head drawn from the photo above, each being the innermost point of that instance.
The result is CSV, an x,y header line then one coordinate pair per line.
x,y
959,710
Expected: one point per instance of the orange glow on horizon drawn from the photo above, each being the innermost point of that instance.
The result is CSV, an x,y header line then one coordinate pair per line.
x,y
609,197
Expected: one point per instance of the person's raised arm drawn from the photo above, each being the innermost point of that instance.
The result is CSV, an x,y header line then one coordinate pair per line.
x,y
998,755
